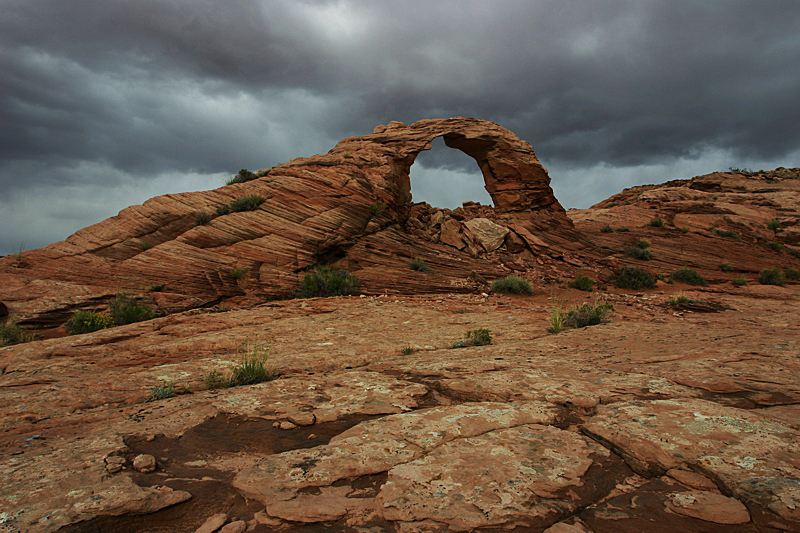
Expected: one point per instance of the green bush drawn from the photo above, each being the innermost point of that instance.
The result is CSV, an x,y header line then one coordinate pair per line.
x,y
771,277
775,245
87,322
725,267
237,272
774,224
263,172
793,252
476,337
418,265
582,283
145,245
657,222
634,278
588,314
376,208
324,280
725,233
687,275
643,244
622,229
639,253
684,230
247,203
254,365
741,281
125,310
12,333
215,380
243,176
793,274
202,218
678,299
223,210
512,285
557,314
606,229
165,390
408,350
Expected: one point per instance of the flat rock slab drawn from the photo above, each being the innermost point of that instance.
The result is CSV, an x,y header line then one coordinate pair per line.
x,y
754,458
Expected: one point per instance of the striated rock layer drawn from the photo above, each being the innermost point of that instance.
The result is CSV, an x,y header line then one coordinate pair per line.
x,y
350,207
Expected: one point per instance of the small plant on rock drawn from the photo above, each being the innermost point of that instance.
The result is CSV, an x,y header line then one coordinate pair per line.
x,y
243,176
145,245
512,285
793,252
223,210
126,310
684,229
725,267
254,366
582,283
408,350
476,337
87,322
247,203
687,275
556,318
324,280
644,244
12,333
165,390
634,278
730,234
774,225
678,299
643,254
740,281
237,273
588,314
376,208
771,277
202,218
775,245
622,229
215,380
793,274
657,222
418,265
606,229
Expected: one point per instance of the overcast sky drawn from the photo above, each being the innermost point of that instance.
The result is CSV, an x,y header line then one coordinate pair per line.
x,y
106,103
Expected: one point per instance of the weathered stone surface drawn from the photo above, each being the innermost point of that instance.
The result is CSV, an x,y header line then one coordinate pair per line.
x,y
238,526
213,523
709,506
490,235
144,463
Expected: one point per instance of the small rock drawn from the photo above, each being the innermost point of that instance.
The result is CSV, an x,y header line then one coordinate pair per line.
x,y
213,523
262,518
235,527
312,436
114,464
287,425
144,463
692,479
708,506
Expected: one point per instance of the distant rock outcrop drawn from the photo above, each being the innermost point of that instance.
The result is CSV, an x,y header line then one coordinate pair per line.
x,y
350,207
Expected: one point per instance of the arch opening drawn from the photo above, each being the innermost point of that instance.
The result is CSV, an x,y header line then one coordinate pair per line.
x,y
447,177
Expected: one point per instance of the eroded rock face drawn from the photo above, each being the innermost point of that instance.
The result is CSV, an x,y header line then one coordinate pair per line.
x,y
351,206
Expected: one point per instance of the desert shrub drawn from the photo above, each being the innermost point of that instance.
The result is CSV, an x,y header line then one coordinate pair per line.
x,y
725,267
634,278
346,155
639,253
324,280
771,277
775,245
376,208
215,380
165,390
408,350
512,285
243,176
263,172
613,204
247,203
145,245
657,222
774,224
418,265
12,333
254,366
126,310
588,314
223,210
556,318
643,244
684,229
622,229
476,337
725,233
793,274
237,272
88,321
741,281
606,229
687,275
793,252
202,218
582,283
678,299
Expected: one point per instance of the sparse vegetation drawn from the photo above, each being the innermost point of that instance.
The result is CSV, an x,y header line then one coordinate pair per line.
x,y
687,275
771,277
622,229
12,333
740,281
215,380
678,299
730,234
202,218
793,252
347,155
243,176
223,210
324,280
643,244
408,350
774,225
512,285
376,208
87,322
606,229
725,267
793,274
684,229
582,283
125,310
634,278
165,390
263,172
557,318
237,273
588,314
657,222
418,265
775,245
247,203
476,337
643,254
254,366
145,245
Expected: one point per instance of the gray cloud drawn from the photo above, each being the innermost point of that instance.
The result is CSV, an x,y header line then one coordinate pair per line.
x,y
153,88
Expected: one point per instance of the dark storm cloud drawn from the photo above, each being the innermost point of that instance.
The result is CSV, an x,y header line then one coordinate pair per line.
x,y
124,91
